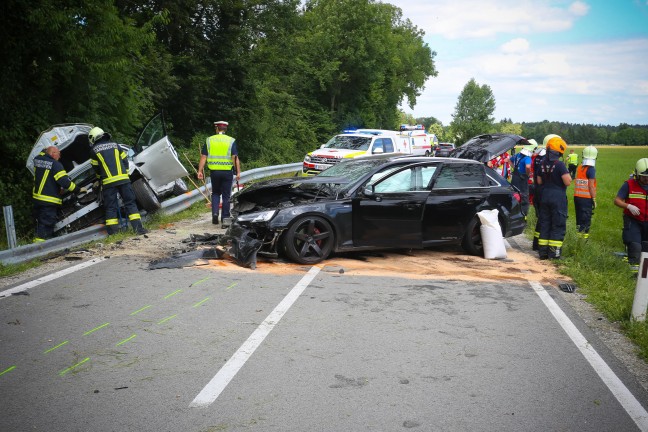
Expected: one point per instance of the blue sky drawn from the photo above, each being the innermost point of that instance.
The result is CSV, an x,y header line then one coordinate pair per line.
x,y
582,61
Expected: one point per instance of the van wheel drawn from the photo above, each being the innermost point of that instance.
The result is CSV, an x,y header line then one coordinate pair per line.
x,y
427,153
472,241
145,197
179,187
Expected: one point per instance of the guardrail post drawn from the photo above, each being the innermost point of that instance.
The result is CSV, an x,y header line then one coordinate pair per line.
x,y
640,303
10,226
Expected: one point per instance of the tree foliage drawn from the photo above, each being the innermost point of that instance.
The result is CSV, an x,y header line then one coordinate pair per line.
x,y
473,114
286,74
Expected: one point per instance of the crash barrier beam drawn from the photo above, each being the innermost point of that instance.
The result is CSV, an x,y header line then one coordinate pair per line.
x,y
171,206
10,226
640,303
56,244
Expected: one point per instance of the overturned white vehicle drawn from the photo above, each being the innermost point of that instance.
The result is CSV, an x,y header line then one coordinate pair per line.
x,y
153,167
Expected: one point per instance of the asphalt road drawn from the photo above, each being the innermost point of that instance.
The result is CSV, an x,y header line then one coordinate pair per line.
x,y
112,346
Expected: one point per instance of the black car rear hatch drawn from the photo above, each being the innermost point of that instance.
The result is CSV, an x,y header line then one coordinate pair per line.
x,y
483,148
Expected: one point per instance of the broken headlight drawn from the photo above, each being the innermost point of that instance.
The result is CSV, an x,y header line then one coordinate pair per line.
x,y
263,216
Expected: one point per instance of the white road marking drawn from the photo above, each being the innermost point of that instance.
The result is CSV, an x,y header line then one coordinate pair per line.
x,y
222,378
50,277
618,389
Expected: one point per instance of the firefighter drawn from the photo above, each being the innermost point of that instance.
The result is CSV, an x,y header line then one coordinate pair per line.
x,y
554,178
633,199
521,163
111,166
537,159
50,180
585,191
221,156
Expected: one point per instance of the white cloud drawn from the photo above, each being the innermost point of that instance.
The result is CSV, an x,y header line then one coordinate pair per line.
x,y
510,45
579,8
453,19
593,83
515,46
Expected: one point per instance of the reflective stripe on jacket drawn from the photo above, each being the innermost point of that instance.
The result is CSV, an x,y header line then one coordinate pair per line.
x,y
219,152
110,163
49,178
581,189
572,158
637,196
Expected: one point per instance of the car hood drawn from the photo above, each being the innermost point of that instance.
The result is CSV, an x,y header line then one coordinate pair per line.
x,y
279,193
60,136
483,148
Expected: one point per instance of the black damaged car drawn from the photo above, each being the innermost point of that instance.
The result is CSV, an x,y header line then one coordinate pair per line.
x,y
374,203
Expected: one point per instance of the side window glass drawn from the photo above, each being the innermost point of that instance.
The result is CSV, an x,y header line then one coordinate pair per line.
x,y
400,182
460,176
426,175
388,145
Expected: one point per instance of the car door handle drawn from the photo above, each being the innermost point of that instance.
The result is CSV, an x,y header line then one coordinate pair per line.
x,y
412,206
472,201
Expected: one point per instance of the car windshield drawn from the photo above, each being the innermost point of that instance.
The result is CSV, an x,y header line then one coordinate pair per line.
x,y
346,142
352,170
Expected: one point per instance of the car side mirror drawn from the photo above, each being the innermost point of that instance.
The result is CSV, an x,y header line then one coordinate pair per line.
x,y
369,191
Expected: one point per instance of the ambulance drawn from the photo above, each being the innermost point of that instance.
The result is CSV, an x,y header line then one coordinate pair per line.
x,y
363,142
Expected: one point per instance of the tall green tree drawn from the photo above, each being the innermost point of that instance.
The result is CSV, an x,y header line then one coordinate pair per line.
x,y
473,114
360,59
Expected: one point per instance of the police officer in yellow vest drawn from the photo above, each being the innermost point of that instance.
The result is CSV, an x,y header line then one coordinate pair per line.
x,y
585,191
572,163
221,156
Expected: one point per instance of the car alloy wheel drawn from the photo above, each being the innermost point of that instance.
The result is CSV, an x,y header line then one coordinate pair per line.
x,y
309,240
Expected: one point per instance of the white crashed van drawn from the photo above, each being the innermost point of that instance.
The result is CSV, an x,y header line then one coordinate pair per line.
x,y
154,169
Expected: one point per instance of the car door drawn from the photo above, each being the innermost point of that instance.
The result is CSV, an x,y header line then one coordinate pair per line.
x,y
389,212
155,156
457,191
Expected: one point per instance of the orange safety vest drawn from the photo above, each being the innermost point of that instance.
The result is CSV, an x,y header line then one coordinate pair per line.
x,y
581,189
637,196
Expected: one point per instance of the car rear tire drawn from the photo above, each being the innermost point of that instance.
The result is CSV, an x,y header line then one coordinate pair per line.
x,y
179,187
309,240
472,241
146,198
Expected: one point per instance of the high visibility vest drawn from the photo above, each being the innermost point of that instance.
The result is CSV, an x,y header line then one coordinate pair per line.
x,y
573,159
637,196
581,189
219,152
49,178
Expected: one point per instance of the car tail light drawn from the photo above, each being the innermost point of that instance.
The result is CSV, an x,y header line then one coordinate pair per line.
x,y
517,196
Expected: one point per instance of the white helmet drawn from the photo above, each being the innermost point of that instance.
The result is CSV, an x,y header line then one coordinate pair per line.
x,y
95,134
590,154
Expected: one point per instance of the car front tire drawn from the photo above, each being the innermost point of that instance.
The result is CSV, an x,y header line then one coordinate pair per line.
x,y
309,240
146,198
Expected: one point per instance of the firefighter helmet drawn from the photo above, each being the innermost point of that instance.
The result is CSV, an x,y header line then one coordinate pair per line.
x,y
590,154
641,168
95,134
557,144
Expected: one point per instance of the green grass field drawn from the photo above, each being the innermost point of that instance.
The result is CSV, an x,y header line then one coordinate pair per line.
x,y
601,275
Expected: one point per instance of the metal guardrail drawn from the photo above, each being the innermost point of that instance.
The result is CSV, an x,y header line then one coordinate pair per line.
x,y
171,206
